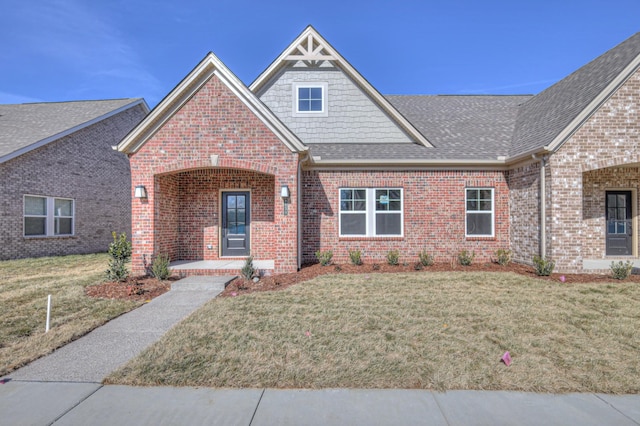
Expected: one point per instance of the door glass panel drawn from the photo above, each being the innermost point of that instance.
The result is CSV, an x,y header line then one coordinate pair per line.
x,y
231,202
622,200
241,201
240,216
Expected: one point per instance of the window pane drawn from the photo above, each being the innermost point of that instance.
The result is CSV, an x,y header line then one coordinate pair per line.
x,y
231,216
353,224
346,206
394,194
63,226
395,205
303,93
622,200
479,224
316,92
303,105
472,205
485,194
359,206
359,194
63,207
622,214
611,213
388,224
240,217
231,201
241,200
485,205
315,105
345,194
34,226
35,206
472,194
380,193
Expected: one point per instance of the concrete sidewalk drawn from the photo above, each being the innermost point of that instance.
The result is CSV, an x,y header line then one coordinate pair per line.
x,y
92,357
38,403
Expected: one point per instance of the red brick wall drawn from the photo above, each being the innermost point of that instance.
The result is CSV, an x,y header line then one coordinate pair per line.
x,y
434,214
180,214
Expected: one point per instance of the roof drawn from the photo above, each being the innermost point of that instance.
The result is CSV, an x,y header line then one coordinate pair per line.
x,y
24,127
566,104
459,127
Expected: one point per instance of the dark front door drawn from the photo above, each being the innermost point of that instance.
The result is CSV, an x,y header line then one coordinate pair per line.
x,y
235,223
619,227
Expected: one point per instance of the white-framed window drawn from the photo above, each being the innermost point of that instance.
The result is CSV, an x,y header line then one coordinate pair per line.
x,y
48,216
479,206
310,99
371,212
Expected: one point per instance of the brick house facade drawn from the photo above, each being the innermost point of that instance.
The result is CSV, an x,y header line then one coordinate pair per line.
x,y
72,161
325,162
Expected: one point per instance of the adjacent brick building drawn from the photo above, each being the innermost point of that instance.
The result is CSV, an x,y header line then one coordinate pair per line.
x,y
312,157
64,188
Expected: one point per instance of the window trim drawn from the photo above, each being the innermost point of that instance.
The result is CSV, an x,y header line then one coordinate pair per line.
x,y
50,217
310,85
492,211
370,212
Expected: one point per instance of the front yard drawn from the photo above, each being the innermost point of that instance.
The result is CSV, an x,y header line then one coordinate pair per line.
x,y
431,330
23,305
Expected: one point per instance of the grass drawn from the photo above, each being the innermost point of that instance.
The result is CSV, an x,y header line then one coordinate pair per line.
x,y
24,288
434,331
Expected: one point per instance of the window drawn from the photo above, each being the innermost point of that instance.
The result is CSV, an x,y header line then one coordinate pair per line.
x,y
48,216
310,99
479,208
371,212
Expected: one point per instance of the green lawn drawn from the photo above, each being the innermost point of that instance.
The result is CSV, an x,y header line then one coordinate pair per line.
x,y
23,305
421,330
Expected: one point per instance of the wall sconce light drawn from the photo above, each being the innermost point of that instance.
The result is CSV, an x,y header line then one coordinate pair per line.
x,y
140,192
284,193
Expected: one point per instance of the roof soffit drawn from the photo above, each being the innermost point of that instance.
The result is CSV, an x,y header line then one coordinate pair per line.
x,y
312,49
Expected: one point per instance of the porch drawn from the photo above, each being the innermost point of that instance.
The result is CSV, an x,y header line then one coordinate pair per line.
x,y
186,268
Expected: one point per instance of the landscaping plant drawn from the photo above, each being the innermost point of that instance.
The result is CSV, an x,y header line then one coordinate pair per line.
x,y
503,257
621,271
465,258
393,257
324,257
544,267
248,271
160,267
355,256
425,258
119,254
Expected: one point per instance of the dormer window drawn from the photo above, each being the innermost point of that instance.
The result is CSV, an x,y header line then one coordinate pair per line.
x,y
310,99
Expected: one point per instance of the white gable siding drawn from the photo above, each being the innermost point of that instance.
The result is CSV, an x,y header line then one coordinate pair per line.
x,y
352,115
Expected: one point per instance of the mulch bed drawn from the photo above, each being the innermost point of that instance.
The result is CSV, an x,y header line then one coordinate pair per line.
x,y
146,288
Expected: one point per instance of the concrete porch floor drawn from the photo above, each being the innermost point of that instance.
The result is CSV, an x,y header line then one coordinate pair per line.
x,y
226,264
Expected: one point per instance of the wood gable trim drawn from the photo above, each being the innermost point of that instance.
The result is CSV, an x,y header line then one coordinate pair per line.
x,y
207,68
310,46
595,104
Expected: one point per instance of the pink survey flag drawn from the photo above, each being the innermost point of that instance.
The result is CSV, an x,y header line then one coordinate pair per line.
x,y
506,358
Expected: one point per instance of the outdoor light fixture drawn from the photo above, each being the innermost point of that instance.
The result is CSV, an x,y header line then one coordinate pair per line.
x,y
140,192
284,193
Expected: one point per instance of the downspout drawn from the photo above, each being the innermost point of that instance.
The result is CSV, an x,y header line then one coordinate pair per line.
x,y
299,208
543,206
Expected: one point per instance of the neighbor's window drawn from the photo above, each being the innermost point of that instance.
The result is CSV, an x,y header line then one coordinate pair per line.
x,y
48,216
371,212
480,212
310,99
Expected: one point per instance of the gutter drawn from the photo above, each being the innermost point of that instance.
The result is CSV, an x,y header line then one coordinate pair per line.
x,y
543,204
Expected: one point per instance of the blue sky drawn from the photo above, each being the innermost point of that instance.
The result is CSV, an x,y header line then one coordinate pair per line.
x,y
59,50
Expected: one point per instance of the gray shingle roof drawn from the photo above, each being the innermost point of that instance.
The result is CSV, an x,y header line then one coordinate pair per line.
x,y
23,125
547,114
460,127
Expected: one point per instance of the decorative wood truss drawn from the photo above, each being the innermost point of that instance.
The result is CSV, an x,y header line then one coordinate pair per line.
x,y
311,50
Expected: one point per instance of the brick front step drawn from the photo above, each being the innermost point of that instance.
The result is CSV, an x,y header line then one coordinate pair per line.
x,y
186,268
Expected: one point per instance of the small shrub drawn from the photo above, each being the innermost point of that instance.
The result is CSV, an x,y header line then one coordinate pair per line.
x,y
621,271
375,267
393,257
503,257
418,266
160,267
119,253
425,258
543,267
248,271
355,256
465,258
324,257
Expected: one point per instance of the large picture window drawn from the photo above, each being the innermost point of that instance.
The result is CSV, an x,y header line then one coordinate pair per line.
x,y
48,216
479,212
371,212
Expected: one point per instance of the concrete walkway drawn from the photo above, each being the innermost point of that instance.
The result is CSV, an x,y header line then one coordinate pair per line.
x,y
64,389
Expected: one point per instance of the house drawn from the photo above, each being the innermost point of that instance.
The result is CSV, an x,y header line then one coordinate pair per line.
x,y
311,157
64,189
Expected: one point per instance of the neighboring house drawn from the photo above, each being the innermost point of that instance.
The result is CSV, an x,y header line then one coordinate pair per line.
x,y
311,157
64,188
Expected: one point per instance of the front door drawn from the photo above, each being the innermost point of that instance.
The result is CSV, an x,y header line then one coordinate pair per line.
x,y
235,223
619,226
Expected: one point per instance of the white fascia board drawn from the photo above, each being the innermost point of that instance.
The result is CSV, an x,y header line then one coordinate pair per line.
x,y
586,113
407,164
343,64
74,129
190,85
